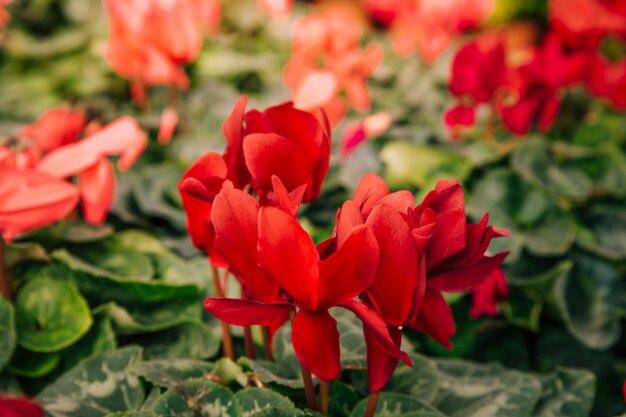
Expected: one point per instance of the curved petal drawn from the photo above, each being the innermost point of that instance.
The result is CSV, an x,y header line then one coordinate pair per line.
x,y
487,295
56,127
97,191
316,341
316,89
288,254
466,277
435,318
397,275
380,365
233,132
268,154
67,161
30,200
369,191
167,125
377,327
289,202
350,270
235,218
348,219
242,312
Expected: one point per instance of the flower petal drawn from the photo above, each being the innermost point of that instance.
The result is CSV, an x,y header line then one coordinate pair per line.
x,y
435,318
235,218
369,191
350,270
288,254
242,312
233,132
380,365
316,341
397,275
97,191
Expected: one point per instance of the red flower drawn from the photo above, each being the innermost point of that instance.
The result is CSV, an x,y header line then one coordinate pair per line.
x,y
292,144
327,59
455,255
198,187
57,132
276,8
365,129
487,295
315,278
397,288
19,407
30,200
149,40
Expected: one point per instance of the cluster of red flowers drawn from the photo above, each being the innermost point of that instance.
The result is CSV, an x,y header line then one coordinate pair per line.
x,y
396,257
523,80
427,26
327,59
36,163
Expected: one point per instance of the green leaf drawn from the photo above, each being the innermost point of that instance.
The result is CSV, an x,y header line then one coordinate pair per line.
x,y
33,364
193,340
230,372
152,317
140,413
172,372
584,298
272,372
280,412
391,404
99,339
253,400
535,162
120,263
468,389
605,232
197,397
97,284
96,387
343,398
408,164
351,340
7,331
50,315
420,381
9,385
567,393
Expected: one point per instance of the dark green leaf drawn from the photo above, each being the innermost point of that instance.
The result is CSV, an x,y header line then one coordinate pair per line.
x,y
253,400
197,397
7,331
172,372
391,404
33,364
193,340
96,387
566,393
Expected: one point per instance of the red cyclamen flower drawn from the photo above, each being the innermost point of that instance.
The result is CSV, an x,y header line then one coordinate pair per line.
x,y
19,407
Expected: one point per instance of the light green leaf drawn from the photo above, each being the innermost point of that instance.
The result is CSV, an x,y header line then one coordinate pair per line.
x,y
50,315
96,387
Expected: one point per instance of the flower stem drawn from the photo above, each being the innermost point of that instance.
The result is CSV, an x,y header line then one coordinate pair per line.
x,y
371,404
267,343
5,278
309,389
324,397
227,338
248,342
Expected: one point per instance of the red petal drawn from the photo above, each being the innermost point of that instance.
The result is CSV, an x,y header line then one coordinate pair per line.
x,y
380,365
464,278
19,407
487,295
97,191
435,318
369,191
167,125
233,131
286,201
316,341
350,270
397,275
235,218
268,154
287,252
242,312
348,219
56,127
30,200
377,327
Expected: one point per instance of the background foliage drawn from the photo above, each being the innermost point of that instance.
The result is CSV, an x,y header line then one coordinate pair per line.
x,y
116,310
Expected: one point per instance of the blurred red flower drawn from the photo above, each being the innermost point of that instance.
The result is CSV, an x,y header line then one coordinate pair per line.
x,y
19,407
